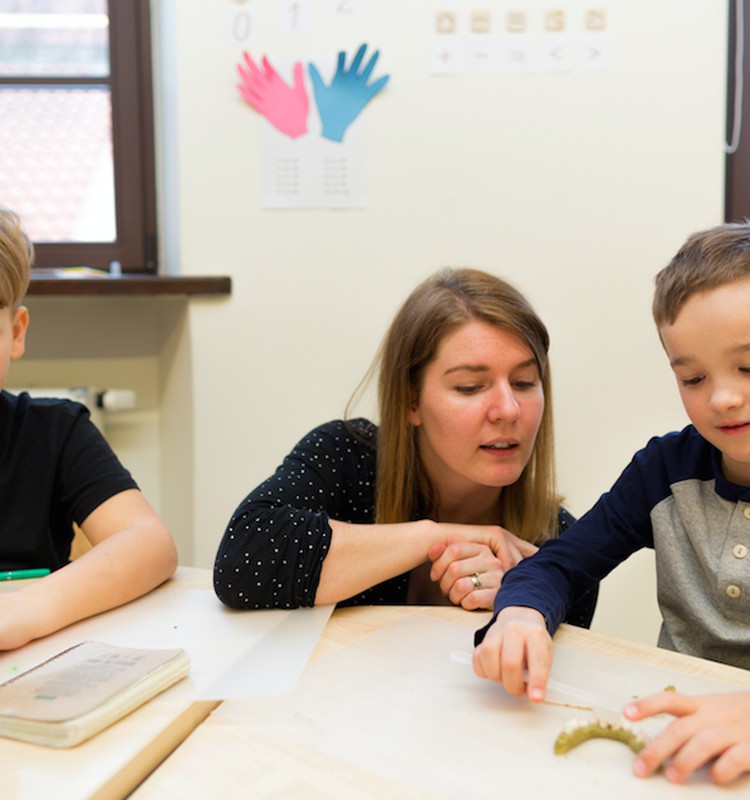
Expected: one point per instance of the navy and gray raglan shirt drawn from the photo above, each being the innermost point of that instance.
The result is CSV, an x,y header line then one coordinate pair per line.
x,y
674,498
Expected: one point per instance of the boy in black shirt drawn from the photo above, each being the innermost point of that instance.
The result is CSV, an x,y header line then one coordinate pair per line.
x,y
55,470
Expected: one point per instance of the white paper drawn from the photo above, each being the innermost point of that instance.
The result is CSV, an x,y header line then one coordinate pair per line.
x,y
310,171
275,663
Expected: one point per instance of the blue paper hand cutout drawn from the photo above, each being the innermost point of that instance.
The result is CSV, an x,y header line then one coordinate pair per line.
x,y
341,102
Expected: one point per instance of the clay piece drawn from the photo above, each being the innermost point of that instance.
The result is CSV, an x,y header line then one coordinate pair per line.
x,y
577,731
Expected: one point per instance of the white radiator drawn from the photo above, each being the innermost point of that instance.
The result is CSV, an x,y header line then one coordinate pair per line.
x,y
99,402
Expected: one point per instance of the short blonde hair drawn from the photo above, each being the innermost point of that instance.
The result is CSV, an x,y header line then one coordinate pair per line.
x,y
16,257
707,259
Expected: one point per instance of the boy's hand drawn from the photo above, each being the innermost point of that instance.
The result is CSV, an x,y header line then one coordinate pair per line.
x,y
709,728
517,652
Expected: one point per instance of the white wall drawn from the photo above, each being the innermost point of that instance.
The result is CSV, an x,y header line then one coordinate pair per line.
x,y
109,343
576,187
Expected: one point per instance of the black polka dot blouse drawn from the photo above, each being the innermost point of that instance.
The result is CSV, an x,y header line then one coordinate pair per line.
x,y
273,549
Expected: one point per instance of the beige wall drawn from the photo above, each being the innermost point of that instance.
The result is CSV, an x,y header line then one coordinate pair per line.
x,y
576,187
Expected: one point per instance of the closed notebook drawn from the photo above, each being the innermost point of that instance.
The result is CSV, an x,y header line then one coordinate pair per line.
x,y
78,692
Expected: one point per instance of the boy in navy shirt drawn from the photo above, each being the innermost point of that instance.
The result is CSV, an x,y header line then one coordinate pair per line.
x,y
686,495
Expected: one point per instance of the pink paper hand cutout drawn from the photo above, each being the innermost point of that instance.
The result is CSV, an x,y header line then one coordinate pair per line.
x,y
284,106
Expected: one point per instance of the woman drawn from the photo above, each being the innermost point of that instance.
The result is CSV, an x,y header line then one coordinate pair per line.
x,y
454,487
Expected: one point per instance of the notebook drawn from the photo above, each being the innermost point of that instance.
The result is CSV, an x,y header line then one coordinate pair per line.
x,y
82,690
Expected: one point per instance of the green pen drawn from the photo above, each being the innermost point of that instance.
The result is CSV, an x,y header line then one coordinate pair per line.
x,y
20,574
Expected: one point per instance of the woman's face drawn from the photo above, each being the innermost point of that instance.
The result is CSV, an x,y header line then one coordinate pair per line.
x,y
479,410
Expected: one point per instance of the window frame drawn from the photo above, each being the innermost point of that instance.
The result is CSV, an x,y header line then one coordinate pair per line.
x,y
737,173
133,149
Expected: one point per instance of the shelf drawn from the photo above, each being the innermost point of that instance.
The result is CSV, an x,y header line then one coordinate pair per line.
x,y
52,282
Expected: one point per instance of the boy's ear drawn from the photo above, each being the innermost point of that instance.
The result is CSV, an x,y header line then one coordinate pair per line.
x,y
20,326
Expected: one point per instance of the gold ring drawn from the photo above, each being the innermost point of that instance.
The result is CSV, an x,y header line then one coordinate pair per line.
x,y
475,580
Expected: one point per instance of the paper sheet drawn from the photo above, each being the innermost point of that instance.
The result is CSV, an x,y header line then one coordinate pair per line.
x,y
275,663
312,172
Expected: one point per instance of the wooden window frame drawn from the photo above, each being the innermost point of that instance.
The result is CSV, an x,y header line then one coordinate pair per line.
x,y
737,181
130,85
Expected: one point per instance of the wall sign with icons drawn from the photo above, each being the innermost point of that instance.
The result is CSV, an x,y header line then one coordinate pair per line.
x,y
518,39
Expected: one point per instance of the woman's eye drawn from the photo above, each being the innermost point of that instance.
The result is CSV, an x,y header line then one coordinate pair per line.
x,y
522,385
473,389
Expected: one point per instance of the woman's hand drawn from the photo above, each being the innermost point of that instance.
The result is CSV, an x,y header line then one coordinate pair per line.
x,y
712,727
363,555
506,546
517,652
470,565
469,574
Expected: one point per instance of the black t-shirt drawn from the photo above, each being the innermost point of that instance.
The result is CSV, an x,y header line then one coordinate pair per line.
x,y
55,469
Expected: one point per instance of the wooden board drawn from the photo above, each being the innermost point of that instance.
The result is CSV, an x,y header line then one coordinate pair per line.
x,y
390,714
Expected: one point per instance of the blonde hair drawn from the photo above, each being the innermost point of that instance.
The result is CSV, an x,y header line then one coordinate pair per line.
x,y
16,256
706,260
440,305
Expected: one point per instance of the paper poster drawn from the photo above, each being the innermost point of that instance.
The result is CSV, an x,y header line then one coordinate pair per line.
x,y
312,172
312,153
467,41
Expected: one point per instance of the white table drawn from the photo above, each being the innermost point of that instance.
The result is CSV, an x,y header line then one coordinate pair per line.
x,y
111,763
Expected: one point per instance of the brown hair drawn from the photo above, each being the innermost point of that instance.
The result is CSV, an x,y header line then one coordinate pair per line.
x,y
16,256
440,305
708,259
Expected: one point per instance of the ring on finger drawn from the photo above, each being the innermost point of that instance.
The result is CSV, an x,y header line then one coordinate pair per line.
x,y
475,580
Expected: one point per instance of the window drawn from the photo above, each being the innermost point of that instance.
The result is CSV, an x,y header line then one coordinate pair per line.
x,y
76,139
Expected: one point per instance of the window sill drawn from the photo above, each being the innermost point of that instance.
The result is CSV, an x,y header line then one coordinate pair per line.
x,y
56,282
